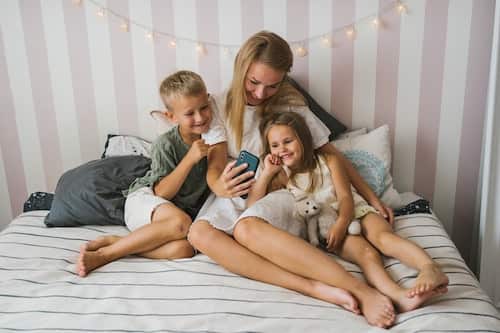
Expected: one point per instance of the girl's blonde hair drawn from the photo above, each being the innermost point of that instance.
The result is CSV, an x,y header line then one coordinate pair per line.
x,y
297,123
181,83
269,49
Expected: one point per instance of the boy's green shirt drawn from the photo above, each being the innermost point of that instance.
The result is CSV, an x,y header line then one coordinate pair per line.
x,y
166,153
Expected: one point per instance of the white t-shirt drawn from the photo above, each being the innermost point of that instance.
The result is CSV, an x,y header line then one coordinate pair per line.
x,y
220,130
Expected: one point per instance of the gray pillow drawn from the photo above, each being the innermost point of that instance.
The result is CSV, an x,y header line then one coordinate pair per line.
x,y
335,126
91,194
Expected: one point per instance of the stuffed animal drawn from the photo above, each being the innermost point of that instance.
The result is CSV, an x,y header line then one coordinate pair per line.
x,y
319,218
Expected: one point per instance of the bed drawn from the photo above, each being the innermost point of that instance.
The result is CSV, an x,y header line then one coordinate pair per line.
x,y
41,293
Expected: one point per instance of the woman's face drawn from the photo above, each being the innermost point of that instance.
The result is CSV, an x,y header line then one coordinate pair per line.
x,y
261,82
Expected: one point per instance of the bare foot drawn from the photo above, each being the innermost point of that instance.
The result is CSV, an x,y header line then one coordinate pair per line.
x,y
335,295
405,303
102,241
377,308
430,277
90,260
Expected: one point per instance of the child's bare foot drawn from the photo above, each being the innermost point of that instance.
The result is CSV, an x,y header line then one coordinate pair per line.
x,y
99,242
430,277
90,260
377,308
405,303
335,295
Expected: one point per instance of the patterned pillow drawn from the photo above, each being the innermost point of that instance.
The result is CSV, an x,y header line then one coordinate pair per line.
x,y
370,154
121,145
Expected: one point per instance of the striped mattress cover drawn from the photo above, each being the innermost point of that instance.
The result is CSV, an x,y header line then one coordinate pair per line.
x,y
39,291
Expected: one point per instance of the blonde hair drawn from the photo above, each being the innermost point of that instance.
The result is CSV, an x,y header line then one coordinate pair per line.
x,y
266,48
297,123
181,83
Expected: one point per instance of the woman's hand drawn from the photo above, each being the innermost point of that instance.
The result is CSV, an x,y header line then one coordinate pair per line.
x,y
234,183
336,236
272,165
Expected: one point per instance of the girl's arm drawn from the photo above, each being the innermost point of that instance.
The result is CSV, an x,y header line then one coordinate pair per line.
x,y
266,183
222,176
169,185
343,192
358,182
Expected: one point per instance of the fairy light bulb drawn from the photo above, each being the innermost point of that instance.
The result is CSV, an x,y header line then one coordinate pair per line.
x,y
100,12
201,49
326,41
376,22
301,51
149,35
172,43
124,26
226,52
401,7
350,32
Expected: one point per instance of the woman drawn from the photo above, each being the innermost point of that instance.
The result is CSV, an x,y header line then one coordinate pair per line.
x,y
263,247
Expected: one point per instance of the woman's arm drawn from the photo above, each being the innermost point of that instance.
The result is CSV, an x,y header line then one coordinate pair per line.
x,y
222,177
358,182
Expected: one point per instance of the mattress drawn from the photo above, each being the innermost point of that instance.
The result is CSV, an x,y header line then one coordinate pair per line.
x,y
40,292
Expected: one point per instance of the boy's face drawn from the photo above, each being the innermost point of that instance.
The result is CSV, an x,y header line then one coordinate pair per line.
x,y
192,113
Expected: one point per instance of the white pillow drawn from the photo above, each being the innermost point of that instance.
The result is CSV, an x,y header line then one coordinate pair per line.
x,y
352,133
370,154
119,145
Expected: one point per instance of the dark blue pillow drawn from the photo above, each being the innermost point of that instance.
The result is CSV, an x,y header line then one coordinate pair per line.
x,y
91,194
335,126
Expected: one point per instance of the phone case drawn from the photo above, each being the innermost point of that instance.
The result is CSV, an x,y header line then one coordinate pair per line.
x,y
252,162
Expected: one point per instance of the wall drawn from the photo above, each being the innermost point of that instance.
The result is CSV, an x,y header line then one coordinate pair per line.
x,y
69,77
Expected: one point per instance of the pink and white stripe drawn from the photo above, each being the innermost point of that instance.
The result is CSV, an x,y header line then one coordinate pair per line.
x,y
68,78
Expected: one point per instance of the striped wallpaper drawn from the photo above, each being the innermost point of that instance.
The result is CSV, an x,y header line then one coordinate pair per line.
x,y
69,77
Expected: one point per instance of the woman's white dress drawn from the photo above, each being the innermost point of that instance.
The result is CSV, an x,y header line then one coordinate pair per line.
x,y
277,207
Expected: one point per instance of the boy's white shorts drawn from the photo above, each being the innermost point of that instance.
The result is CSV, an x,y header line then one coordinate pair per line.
x,y
139,207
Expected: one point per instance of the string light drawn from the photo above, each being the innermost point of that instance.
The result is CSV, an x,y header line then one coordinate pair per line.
x,y
124,26
325,38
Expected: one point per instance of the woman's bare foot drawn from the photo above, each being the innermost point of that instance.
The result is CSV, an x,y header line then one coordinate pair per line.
x,y
335,295
405,303
99,242
430,277
90,260
376,307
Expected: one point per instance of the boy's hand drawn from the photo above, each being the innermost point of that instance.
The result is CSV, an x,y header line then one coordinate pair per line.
x,y
198,150
272,165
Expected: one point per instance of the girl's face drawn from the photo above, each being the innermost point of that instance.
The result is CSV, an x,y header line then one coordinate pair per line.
x,y
284,143
261,82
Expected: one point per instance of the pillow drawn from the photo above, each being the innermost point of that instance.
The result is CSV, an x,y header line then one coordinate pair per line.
x,y
352,133
119,145
335,126
91,194
370,154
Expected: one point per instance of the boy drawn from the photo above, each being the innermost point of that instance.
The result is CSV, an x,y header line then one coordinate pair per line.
x,y
161,205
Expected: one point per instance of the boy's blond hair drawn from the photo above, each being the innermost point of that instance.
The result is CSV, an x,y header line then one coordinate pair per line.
x,y
181,83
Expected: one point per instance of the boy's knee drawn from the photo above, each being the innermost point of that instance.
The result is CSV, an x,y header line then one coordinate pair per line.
x,y
180,225
369,254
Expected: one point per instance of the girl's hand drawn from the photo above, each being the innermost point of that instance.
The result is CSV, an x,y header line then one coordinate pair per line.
x,y
234,184
272,165
386,212
336,236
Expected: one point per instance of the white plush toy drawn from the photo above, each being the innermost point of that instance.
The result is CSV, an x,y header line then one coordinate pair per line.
x,y
320,218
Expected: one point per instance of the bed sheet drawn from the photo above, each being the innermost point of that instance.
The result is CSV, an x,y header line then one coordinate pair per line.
x,y
39,291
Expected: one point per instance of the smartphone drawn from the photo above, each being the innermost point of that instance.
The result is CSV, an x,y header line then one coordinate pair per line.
x,y
252,162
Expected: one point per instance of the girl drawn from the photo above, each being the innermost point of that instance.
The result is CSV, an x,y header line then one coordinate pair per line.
x,y
290,161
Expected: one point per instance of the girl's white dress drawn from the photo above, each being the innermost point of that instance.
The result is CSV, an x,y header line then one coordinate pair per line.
x,y
324,191
277,207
